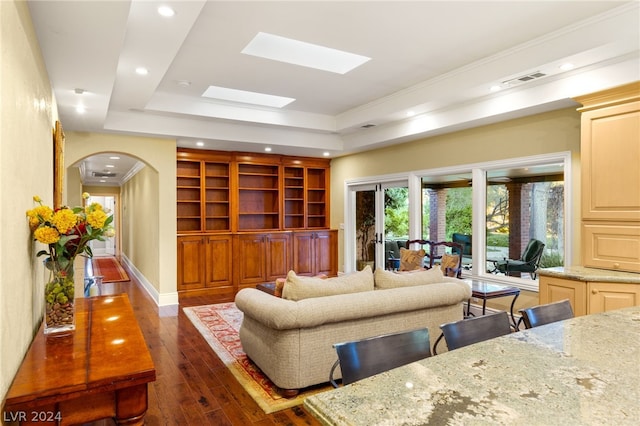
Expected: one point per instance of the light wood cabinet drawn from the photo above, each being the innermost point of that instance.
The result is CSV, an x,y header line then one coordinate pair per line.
x,y
610,155
315,253
589,297
610,296
553,289
261,257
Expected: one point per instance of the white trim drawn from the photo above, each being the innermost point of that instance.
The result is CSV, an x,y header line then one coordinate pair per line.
x,y
161,299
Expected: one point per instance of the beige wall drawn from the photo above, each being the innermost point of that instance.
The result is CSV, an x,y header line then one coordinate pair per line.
x,y
148,209
140,226
551,132
27,117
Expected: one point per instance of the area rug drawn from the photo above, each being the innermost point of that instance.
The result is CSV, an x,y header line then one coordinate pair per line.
x,y
110,269
219,325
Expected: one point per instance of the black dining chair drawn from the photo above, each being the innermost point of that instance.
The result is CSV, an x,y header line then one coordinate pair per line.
x,y
472,330
545,314
360,359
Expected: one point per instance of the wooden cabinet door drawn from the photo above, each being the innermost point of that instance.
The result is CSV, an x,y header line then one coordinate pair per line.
x,y
218,261
278,256
326,252
315,253
555,289
613,246
303,253
190,263
610,154
250,252
610,296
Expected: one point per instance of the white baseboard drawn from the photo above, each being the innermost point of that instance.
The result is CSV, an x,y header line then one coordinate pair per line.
x,y
161,299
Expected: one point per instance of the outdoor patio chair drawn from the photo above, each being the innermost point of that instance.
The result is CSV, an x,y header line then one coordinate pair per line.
x,y
529,262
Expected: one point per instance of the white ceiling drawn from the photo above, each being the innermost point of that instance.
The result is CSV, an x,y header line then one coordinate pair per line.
x,y
435,58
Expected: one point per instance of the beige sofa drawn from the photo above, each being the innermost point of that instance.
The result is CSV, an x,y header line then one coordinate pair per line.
x,y
291,340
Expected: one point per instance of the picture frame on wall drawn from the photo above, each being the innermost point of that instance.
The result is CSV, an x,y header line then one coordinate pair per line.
x,y
58,164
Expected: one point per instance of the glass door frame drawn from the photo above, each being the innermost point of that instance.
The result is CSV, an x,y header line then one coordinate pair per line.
x,y
378,185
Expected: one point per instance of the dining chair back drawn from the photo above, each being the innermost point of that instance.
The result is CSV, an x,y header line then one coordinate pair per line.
x,y
475,329
545,314
366,357
450,263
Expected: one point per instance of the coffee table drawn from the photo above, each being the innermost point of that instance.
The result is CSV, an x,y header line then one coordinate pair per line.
x,y
267,288
486,290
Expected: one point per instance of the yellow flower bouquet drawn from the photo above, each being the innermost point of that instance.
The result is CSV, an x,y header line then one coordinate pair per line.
x,y
66,232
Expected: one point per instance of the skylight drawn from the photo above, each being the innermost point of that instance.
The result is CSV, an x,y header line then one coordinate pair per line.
x,y
246,97
296,52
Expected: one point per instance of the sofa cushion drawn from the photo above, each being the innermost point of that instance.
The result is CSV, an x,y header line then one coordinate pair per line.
x,y
411,259
300,287
388,279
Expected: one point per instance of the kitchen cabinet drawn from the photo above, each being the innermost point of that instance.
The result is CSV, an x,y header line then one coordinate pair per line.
x,y
609,157
589,290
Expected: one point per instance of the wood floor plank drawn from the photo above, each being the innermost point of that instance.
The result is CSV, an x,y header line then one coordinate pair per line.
x,y
193,386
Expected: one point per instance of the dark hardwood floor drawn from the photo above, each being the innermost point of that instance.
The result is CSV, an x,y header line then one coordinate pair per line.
x,y
193,387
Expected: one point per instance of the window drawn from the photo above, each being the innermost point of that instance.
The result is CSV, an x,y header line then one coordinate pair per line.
x,y
494,209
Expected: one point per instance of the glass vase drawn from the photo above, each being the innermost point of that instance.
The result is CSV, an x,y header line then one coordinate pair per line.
x,y
59,316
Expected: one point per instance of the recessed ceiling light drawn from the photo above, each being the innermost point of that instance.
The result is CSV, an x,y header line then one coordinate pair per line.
x,y
326,154
199,143
114,158
495,88
566,66
110,166
246,97
268,149
80,109
297,52
142,71
166,11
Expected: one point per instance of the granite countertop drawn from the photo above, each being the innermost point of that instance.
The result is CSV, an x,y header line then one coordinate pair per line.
x,y
590,274
583,371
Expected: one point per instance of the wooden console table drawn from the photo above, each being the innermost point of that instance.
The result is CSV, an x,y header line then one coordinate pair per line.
x,y
101,370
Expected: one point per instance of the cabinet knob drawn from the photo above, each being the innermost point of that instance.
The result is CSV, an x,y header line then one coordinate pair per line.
x,y
616,266
594,291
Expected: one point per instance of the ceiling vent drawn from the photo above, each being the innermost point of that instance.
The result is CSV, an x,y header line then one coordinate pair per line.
x,y
103,174
524,78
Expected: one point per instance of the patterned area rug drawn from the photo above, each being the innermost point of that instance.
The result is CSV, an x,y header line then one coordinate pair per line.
x,y
219,325
110,269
